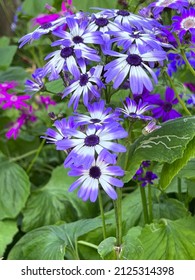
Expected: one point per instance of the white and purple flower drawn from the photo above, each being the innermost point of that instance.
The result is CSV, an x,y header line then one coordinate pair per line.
x,y
99,174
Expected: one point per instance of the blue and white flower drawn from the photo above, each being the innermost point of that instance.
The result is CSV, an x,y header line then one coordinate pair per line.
x,y
99,174
85,145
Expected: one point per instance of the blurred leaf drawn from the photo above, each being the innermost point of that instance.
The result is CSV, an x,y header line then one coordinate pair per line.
x,y
106,248
52,242
191,188
35,7
55,86
14,188
169,240
188,171
164,145
4,41
13,73
169,171
8,230
6,56
53,203
86,5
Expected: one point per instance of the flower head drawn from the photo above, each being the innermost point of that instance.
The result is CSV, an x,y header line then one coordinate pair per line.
x,y
165,107
14,101
100,173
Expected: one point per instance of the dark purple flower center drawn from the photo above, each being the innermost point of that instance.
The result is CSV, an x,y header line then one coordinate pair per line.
x,y
136,36
123,13
77,39
66,52
92,140
167,106
95,172
134,60
83,80
101,22
95,120
46,25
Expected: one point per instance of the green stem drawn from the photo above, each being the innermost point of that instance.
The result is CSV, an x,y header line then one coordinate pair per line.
x,y
88,244
179,189
189,66
182,103
144,204
118,217
150,203
23,156
102,215
35,157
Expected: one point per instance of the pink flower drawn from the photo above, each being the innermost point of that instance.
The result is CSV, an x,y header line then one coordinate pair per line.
x,y
44,18
7,85
15,128
12,100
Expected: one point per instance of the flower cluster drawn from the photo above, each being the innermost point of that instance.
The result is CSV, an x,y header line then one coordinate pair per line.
x,y
144,175
26,112
93,54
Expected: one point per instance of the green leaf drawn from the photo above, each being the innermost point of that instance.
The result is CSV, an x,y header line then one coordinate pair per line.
x,y
55,86
165,145
52,242
53,203
8,230
169,240
33,8
6,56
13,73
107,249
88,4
131,246
188,171
169,171
14,188
4,41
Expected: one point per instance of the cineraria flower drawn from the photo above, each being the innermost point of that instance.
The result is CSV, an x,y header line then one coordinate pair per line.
x,y
165,109
145,42
191,100
46,101
37,84
100,173
158,6
135,65
11,101
78,37
185,23
148,178
98,115
41,30
15,128
126,18
134,110
86,83
53,136
7,85
190,86
150,127
85,145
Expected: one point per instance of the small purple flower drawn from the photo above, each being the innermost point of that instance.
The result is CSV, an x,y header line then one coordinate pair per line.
x,y
87,83
14,101
46,101
37,84
134,110
157,7
185,23
135,66
98,115
15,127
41,30
150,127
4,87
165,109
85,145
54,137
191,100
100,173
190,86
148,178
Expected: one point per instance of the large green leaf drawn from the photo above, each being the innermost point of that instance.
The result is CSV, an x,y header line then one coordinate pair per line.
x,y
8,229
107,248
14,188
52,242
6,56
170,170
169,240
166,144
53,203
13,73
